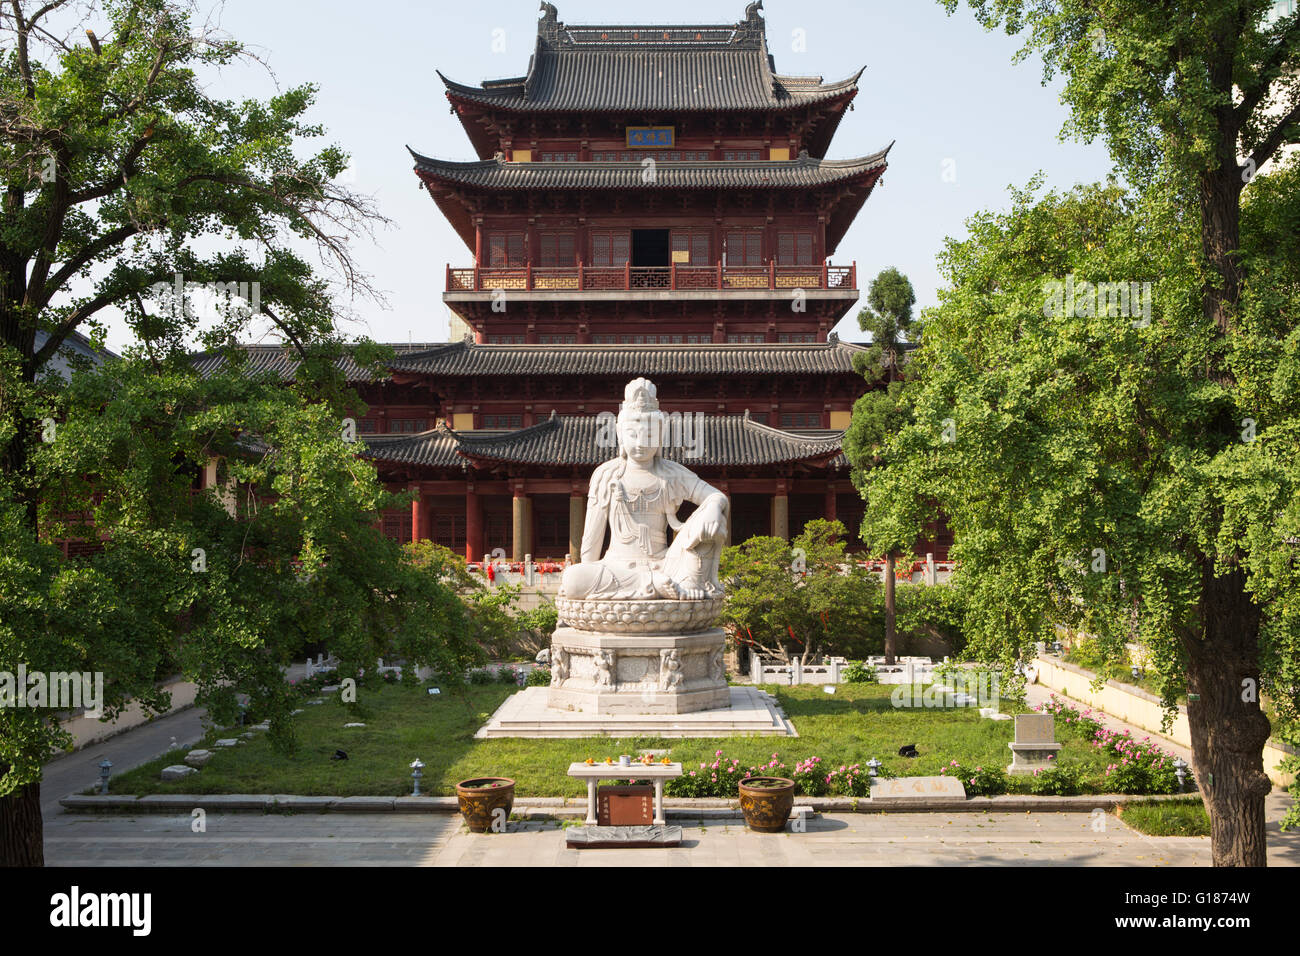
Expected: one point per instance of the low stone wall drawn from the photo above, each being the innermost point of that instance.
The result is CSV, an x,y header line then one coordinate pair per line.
x,y
89,730
544,587
1136,706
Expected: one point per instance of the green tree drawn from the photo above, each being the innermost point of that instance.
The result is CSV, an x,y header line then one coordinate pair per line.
x,y
800,598
1089,476
882,410
122,172
1193,98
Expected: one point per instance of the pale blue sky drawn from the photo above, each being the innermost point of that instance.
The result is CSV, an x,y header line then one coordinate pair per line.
x,y
942,87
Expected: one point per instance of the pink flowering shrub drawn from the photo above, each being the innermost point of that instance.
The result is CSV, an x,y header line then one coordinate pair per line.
x,y
1056,781
812,777
979,781
849,781
1135,766
1070,719
716,778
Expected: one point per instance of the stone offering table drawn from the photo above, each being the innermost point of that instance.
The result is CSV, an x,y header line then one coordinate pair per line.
x,y
656,773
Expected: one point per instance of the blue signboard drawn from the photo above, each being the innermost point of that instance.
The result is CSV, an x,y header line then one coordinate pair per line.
x,y
651,137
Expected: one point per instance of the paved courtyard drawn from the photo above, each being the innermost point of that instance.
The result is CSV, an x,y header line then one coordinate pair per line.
x,y
836,839
437,839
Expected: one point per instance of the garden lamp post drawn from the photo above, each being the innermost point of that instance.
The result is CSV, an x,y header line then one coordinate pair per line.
x,y
1180,771
105,768
417,765
873,767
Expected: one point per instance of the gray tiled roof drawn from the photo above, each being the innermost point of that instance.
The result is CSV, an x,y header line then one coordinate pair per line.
x,y
465,359
573,440
670,68
652,79
282,361
435,448
61,363
800,173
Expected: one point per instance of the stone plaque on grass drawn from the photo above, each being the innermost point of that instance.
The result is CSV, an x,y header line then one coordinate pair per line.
x,y
924,789
1035,746
1035,729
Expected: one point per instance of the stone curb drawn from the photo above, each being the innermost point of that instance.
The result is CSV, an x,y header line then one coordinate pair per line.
x,y
546,807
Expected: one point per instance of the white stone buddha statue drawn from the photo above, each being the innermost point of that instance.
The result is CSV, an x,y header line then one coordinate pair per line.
x,y
637,495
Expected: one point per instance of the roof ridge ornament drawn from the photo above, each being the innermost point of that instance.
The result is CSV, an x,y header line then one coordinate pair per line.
x,y
549,28
753,27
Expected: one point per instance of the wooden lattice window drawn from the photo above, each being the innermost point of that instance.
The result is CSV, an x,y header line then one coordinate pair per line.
x,y
801,420
397,525
506,249
794,249
611,247
558,249
745,248
694,243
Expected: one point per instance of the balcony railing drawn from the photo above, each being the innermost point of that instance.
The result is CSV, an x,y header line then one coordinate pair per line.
x,y
672,278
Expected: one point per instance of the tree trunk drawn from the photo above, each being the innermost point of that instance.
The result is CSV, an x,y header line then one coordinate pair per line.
x,y
22,834
1220,198
1228,728
891,642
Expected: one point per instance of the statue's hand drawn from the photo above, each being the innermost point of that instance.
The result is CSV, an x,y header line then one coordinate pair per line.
x,y
712,521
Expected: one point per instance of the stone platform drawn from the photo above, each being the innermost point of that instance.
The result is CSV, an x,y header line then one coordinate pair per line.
x,y
750,711
590,838
603,672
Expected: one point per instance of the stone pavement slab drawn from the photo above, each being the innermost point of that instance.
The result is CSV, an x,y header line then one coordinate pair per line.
x,y
440,839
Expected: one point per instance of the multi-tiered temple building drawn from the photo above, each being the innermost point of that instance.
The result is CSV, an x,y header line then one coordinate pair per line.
x,y
646,201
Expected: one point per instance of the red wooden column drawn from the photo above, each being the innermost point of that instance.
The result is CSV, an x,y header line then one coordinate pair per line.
x,y
577,521
473,525
416,511
781,511
521,523
829,506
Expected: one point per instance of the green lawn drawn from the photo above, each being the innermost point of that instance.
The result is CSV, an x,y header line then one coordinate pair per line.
x,y
1168,817
403,723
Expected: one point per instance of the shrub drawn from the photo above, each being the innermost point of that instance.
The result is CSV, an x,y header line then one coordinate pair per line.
x,y
978,781
508,675
856,672
481,676
538,677
311,686
1058,781
717,779
809,777
1291,820
1071,719
1140,766
849,781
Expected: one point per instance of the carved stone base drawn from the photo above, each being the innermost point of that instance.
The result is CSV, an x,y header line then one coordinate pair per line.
x,y
597,673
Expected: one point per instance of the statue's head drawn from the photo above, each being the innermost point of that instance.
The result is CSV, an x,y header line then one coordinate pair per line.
x,y
641,432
